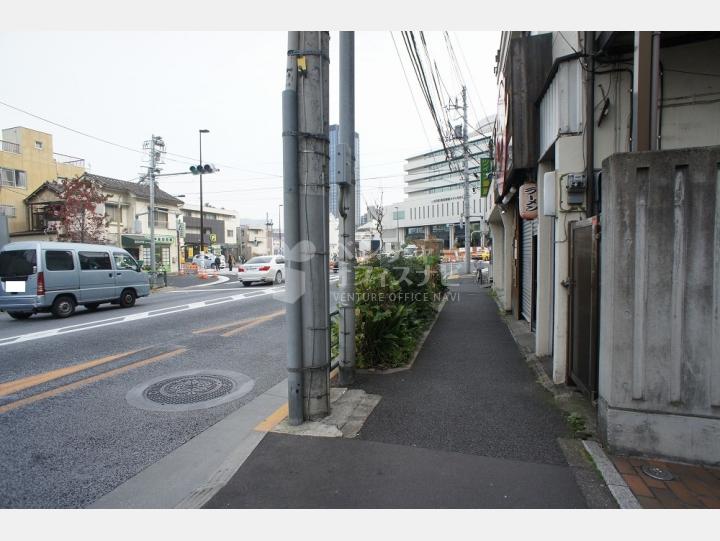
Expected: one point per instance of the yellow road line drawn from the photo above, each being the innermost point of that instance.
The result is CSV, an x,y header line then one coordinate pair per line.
x,y
268,424
238,323
21,384
87,381
254,323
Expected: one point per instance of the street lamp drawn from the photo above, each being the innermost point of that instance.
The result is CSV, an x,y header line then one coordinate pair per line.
x,y
280,250
202,225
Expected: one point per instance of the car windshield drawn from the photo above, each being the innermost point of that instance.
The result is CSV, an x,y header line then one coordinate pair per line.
x,y
259,260
17,263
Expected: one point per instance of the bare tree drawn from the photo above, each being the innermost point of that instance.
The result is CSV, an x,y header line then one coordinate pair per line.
x,y
378,215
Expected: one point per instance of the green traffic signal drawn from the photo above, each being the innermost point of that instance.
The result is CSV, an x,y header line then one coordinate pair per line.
x,y
203,169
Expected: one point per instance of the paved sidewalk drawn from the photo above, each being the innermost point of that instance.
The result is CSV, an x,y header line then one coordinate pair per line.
x,y
467,427
689,486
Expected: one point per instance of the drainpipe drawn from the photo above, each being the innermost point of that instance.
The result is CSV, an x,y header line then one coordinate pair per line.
x,y
590,120
655,94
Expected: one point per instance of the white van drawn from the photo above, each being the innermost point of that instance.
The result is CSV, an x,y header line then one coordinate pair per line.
x,y
57,276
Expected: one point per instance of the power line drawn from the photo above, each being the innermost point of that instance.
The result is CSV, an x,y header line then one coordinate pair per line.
x,y
118,145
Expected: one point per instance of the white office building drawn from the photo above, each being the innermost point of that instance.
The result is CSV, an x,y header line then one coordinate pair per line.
x,y
433,207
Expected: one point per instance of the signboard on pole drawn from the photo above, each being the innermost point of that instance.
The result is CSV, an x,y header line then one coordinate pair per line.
x,y
485,180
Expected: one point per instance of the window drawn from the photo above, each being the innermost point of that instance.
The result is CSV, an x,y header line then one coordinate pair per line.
x,y
229,233
280,260
113,212
39,145
161,218
95,261
13,178
59,260
124,261
17,263
7,210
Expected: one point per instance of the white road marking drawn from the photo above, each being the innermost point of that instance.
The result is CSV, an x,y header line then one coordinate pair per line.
x,y
156,312
220,280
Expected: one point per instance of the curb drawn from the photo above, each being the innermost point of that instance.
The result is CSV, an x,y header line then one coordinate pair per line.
x,y
614,481
408,366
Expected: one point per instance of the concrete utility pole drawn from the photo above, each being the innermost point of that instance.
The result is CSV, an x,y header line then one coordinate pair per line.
x,y
313,129
268,233
305,128
153,145
346,266
466,183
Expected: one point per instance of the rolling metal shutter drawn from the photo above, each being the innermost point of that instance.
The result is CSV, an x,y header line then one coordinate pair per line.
x,y
528,229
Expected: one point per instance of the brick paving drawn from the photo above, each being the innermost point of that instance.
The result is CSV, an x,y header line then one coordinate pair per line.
x,y
693,487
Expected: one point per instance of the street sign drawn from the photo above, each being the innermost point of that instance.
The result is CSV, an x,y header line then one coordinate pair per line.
x,y
213,238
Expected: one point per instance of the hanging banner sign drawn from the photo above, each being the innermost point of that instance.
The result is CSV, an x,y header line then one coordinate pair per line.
x,y
528,198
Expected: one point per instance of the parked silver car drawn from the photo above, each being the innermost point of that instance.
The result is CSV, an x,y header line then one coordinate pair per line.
x,y
266,268
55,277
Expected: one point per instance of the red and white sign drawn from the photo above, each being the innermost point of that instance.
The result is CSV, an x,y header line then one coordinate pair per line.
x,y
528,198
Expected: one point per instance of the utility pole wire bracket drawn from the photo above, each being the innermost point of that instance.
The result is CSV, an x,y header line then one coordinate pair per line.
x,y
307,368
308,52
320,136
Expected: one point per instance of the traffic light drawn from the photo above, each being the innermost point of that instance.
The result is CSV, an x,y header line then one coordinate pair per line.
x,y
205,169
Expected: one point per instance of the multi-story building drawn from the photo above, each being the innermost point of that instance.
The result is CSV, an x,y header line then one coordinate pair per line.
x,y
255,237
334,192
220,224
27,160
605,219
433,208
127,210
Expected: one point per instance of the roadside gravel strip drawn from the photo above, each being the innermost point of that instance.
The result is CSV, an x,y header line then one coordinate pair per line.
x,y
137,316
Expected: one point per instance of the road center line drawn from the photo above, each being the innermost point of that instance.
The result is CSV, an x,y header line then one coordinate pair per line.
x,y
21,384
87,381
133,317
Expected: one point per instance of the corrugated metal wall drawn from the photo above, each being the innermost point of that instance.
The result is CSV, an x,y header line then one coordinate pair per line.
x,y
561,106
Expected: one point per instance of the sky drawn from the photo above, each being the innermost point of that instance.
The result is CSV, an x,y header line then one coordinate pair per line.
x,y
123,87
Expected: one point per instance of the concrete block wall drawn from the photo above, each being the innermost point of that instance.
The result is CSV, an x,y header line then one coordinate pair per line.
x,y
659,363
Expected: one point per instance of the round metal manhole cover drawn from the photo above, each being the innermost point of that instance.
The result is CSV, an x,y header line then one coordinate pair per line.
x,y
657,473
190,390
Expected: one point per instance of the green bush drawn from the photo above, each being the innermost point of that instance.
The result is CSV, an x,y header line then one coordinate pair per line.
x,y
395,299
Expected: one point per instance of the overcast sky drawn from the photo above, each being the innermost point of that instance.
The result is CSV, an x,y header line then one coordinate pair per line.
x,y
126,86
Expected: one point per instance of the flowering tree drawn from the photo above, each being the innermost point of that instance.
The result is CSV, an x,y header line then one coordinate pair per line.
x,y
79,219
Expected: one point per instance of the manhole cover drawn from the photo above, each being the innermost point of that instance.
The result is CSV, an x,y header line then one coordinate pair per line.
x,y
657,473
189,389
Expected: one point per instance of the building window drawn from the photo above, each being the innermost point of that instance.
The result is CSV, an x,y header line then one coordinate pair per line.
x,y
229,233
13,178
161,218
113,212
7,210
38,145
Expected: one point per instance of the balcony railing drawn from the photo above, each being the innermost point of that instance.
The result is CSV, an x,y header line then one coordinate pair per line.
x,y
69,160
7,146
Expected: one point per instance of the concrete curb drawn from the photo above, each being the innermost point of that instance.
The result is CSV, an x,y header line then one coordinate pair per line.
x,y
415,353
614,481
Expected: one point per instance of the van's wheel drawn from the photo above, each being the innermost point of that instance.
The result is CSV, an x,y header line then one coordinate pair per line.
x,y
278,277
63,306
92,306
19,315
127,298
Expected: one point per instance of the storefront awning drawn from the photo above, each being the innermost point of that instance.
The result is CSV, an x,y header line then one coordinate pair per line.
x,y
136,241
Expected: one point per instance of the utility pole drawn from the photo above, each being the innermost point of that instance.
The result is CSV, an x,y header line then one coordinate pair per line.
x,y
466,183
346,266
156,147
313,164
268,233
202,215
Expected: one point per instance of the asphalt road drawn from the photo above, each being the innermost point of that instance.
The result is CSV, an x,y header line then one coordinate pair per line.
x,y
68,433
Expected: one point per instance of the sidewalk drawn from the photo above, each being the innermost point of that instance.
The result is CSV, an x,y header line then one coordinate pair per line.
x,y
467,427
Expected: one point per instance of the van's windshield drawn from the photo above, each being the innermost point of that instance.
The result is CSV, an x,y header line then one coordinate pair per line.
x,y
16,263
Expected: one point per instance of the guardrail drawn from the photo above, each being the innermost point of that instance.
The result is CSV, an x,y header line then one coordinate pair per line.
x,y
334,343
